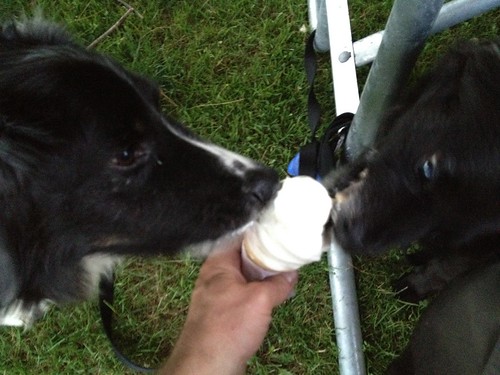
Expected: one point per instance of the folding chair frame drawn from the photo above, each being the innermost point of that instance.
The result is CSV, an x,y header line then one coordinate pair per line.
x,y
396,48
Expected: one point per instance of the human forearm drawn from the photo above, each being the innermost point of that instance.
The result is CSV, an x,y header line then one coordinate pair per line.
x,y
187,359
228,318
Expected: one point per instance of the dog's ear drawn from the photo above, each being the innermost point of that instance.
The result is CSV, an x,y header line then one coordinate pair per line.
x,y
149,89
26,74
30,32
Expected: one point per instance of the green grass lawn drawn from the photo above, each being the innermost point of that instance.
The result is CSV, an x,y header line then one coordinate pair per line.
x,y
233,72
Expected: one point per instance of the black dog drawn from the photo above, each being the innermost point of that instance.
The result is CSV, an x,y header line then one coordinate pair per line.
x,y
91,171
459,333
434,173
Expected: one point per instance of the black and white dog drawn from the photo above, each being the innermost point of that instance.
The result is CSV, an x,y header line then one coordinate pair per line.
x,y
90,171
433,175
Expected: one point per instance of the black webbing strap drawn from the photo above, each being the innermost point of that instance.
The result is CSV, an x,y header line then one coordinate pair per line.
x,y
321,155
331,152
106,297
309,152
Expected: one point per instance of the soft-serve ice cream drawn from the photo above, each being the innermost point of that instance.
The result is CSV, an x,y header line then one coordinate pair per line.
x,y
289,233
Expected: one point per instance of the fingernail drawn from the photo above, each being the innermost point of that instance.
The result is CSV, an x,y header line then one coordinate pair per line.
x,y
292,277
292,294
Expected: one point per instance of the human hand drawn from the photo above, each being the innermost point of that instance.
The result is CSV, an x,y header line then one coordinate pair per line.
x,y
228,317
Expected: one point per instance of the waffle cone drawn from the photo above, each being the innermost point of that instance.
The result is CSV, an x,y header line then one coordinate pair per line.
x,y
251,267
247,248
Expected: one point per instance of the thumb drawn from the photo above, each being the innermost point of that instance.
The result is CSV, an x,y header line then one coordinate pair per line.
x,y
283,285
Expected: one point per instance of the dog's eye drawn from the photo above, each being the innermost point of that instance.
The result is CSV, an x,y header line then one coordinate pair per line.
x,y
427,170
125,158
129,156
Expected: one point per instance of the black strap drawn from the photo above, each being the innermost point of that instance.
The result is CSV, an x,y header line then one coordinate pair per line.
x,y
308,159
106,297
309,152
331,152
321,155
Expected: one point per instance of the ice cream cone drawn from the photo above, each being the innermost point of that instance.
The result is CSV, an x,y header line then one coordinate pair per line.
x,y
251,268
288,234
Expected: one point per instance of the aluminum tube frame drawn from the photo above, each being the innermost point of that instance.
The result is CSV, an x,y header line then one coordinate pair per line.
x,y
408,27
337,39
335,13
318,21
451,14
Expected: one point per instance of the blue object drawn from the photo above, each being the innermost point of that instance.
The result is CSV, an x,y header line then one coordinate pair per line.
x,y
293,166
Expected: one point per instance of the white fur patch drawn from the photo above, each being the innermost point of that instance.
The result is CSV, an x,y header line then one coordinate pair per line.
x,y
18,314
96,266
234,162
21,314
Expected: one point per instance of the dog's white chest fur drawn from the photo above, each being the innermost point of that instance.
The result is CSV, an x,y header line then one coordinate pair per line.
x,y
19,314
23,314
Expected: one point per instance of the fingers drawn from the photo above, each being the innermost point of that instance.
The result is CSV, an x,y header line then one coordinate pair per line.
x,y
282,287
225,260
224,265
230,257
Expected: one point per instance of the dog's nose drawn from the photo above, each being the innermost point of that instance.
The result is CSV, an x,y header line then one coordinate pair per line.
x,y
261,184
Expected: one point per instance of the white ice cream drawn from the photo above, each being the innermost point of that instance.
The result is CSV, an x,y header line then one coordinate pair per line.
x,y
289,233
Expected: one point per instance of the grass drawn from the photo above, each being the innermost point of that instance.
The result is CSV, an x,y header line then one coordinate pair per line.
x,y
232,71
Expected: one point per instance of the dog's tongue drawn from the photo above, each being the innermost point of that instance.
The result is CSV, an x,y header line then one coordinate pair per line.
x,y
289,233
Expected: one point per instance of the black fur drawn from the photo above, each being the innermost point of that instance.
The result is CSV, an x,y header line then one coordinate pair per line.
x,y
433,175
459,333
90,167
